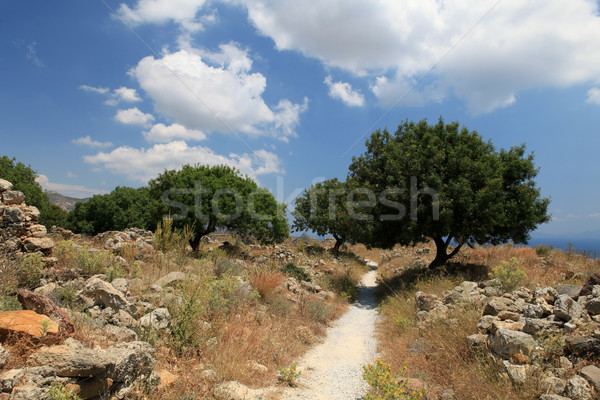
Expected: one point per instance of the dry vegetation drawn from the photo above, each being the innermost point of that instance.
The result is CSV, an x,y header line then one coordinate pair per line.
x,y
438,353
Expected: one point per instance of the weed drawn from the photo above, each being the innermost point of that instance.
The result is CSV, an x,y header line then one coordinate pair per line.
x,y
542,250
280,305
295,272
265,281
167,238
59,392
319,310
225,267
553,346
9,303
67,295
289,375
31,270
385,385
114,271
94,262
509,274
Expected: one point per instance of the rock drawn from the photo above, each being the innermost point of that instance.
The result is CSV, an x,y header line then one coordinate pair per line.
x,y
578,388
34,383
588,287
506,343
14,215
535,325
553,385
566,308
587,347
592,306
28,322
477,341
497,304
509,324
120,332
447,394
509,315
171,278
13,197
43,305
9,378
533,311
592,374
553,397
90,388
570,290
47,289
38,231
123,319
426,302
4,354
104,294
233,390
128,361
547,293
121,285
159,319
257,367
34,244
485,323
517,373
209,375
71,359
5,185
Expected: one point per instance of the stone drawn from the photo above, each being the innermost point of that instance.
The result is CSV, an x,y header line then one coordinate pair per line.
x,y
31,213
533,311
592,374
47,289
13,197
485,323
586,347
104,294
209,375
233,390
547,293
4,354
535,325
497,304
171,278
570,290
38,231
14,215
5,185
426,302
28,322
588,287
122,318
159,319
517,373
553,385
508,324
9,378
121,285
592,306
90,388
34,244
566,308
578,388
509,315
71,359
120,332
43,305
127,361
447,394
506,343
477,341
257,367
34,383
553,397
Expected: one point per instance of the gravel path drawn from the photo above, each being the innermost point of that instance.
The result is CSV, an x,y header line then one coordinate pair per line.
x,y
333,369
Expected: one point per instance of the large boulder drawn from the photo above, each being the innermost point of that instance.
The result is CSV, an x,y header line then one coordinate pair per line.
x,y
43,305
104,294
5,185
71,359
566,308
33,244
159,319
506,343
588,287
34,383
592,374
13,197
497,304
27,322
578,388
128,361
586,347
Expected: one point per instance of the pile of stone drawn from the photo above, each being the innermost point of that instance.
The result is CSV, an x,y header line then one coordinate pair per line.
x,y
20,231
514,327
141,240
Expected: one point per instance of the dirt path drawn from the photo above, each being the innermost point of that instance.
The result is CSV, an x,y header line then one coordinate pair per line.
x,y
333,369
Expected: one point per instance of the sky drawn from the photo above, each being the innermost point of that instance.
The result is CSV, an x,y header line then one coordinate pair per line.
x,y
104,93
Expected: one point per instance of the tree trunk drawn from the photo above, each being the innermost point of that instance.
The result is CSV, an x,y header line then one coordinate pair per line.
x,y
195,241
441,255
339,241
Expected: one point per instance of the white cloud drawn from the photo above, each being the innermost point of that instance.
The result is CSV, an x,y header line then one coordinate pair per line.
x,y
144,164
594,95
518,46
71,175
32,55
343,91
124,94
182,12
76,191
222,97
88,88
164,133
87,141
133,116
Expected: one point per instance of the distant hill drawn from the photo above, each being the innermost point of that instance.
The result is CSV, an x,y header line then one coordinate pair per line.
x,y
64,202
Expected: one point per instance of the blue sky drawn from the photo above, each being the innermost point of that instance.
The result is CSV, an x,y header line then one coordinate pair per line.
x,y
95,94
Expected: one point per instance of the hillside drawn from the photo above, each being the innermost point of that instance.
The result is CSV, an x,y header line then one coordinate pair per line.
x,y
65,202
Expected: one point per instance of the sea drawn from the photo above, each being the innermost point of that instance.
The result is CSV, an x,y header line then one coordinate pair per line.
x,y
591,247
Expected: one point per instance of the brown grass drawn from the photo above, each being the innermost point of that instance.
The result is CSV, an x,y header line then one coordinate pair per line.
x,y
265,281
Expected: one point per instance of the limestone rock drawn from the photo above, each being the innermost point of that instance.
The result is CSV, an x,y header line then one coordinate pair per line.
x,y
159,319
535,325
33,244
578,388
120,332
13,197
34,383
4,354
570,290
507,343
90,388
592,374
127,361
171,278
9,378
553,385
43,305
71,359
533,311
517,373
497,304
588,287
104,294
28,322
5,185
587,347
592,306
233,390
477,341
426,302
566,308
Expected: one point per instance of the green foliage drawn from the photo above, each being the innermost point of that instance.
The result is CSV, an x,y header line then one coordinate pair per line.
x,y
23,179
9,303
30,270
509,274
219,197
67,295
483,195
123,208
94,262
322,209
59,392
292,270
319,311
225,267
542,250
289,375
167,238
385,385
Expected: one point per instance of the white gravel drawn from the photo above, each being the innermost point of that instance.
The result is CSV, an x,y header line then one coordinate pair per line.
x,y
333,370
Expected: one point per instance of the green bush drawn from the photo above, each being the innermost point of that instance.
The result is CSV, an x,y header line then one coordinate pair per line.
x,y
9,303
225,267
319,310
509,274
295,272
30,270
60,392
94,262
385,385
543,250
67,295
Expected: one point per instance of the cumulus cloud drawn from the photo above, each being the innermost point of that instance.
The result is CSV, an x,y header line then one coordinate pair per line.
x,y
594,95
76,191
343,91
87,141
517,46
133,116
122,94
182,12
88,88
164,133
215,92
143,164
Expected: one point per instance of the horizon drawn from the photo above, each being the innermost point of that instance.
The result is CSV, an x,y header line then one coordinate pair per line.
x,y
110,93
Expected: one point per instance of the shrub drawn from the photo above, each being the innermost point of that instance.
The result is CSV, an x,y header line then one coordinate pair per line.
x,y
266,281
9,303
542,250
295,272
94,262
30,270
225,267
280,305
67,295
167,238
319,311
509,274
385,385
60,392
289,375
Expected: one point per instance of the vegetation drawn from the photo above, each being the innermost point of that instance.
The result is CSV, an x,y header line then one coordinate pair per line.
x,y
123,208
290,269
23,179
444,183
509,274
220,197
385,385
